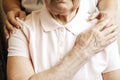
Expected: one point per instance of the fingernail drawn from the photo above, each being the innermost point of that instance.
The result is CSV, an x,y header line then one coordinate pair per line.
x,y
13,31
18,27
22,18
89,19
7,36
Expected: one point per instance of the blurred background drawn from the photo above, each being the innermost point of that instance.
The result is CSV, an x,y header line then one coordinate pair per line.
x,y
3,47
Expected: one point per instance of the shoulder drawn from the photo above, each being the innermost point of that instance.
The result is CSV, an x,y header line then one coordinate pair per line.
x,y
30,24
33,17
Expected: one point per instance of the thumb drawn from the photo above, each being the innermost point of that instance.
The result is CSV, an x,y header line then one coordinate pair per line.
x,y
93,16
22,15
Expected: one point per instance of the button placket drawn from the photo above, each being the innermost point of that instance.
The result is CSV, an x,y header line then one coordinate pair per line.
x,y
61,42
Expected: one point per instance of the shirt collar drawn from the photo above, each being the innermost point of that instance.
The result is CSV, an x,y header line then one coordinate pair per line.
x,y
74,26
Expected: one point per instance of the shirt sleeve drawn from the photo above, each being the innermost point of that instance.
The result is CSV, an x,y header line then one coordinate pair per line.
x,y
18,44
113,62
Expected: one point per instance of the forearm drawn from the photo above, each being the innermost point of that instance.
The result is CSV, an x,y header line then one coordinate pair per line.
x,y
66,68
108,5
11,4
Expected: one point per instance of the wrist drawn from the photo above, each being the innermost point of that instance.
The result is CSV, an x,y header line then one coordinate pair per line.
x,y
83,52
73,61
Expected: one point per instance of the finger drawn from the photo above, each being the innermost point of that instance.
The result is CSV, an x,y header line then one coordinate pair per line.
x,y
109,24
93,16
101,25
6,33
102,16
22,15
113,34
9,27
108,42
11,18
109,30
112,22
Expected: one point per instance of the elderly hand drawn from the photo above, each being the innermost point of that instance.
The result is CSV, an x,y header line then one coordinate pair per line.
x,y
97,38
10,21
104,15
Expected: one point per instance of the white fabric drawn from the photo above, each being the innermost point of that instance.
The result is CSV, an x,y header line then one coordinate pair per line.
x,y
89,5
46,41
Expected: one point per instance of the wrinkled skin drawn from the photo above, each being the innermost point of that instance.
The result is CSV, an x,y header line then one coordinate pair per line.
x,y
98,37
62,7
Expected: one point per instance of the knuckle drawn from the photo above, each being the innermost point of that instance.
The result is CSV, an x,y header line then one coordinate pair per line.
x,y
9,13
101,24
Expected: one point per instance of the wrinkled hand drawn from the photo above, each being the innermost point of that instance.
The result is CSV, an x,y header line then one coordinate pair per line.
x,y
97,38
10,21
102,15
